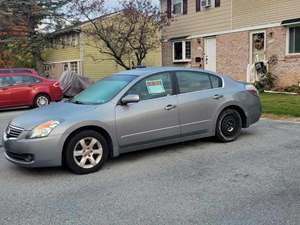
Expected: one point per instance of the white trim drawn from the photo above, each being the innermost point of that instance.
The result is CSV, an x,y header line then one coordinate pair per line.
x,y
184,59
65,61
236,30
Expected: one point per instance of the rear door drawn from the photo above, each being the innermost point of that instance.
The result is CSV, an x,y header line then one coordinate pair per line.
x,y
199,97
5,95
154,117
21,91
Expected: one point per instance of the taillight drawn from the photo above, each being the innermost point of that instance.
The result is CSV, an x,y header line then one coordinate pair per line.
x,y
56,84
252,89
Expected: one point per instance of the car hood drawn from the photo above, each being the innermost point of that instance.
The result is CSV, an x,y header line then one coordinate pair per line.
x,y
57,111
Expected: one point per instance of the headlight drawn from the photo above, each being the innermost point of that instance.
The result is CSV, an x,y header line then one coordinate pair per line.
x,y
44,129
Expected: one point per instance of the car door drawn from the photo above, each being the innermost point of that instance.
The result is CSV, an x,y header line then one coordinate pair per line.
x,y
199,96
5,95
21,91
154,117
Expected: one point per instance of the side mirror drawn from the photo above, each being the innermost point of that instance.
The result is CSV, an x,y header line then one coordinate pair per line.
x,y
130,99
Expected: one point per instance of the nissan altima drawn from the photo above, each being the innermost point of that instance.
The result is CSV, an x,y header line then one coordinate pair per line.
x,y
129,111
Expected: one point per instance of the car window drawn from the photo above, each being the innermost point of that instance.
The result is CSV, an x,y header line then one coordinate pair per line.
x,y
216,82
30,80
5,81
193,81
155,86
17,80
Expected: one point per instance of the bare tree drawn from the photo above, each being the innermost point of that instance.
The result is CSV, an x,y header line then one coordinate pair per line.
x,y
125,36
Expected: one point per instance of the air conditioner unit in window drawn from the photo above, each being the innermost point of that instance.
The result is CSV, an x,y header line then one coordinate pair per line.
x,y
206,3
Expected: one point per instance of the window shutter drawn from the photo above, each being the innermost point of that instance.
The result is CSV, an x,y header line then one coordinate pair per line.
x,y
198,5
185,6
169,8
217,3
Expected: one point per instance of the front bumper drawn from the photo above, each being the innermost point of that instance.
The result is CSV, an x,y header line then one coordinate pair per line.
x,y
41,152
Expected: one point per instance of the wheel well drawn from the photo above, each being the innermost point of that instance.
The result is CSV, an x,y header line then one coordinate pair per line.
x,y
94,128
241,112
42,93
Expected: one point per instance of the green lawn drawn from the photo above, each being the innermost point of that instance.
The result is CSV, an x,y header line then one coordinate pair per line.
x,y
281,104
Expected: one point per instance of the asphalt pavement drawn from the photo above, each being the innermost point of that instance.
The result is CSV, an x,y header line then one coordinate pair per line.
x,y
253,181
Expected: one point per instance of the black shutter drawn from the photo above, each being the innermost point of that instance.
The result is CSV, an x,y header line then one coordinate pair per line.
x,y
217,3
185,6
169,8
198,5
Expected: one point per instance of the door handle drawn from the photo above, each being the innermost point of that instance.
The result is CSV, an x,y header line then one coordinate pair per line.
x,y
218,96
170,107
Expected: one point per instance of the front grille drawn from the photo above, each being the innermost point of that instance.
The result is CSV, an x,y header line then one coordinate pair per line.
x,y
13,131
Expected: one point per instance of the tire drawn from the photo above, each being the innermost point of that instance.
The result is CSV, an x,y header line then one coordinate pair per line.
x,y
86,152
41,100
229,125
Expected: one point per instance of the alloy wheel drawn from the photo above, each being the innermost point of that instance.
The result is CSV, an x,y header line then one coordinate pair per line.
x,y
88,153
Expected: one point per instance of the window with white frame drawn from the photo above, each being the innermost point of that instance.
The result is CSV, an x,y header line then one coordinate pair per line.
x,y
294,40
177,7
182,51
74,67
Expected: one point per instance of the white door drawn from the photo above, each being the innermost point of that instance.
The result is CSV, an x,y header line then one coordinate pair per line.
x,y
210,54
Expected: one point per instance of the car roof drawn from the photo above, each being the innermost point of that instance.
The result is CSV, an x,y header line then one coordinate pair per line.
x,y
18,74
18,70
152,70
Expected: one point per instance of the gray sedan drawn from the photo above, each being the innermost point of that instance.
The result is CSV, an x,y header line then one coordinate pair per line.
x,y
129,111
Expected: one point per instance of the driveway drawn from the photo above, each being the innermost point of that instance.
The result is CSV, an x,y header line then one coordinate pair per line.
x,y
252,181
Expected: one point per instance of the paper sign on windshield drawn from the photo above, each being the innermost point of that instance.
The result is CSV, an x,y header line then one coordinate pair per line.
x,y
155,86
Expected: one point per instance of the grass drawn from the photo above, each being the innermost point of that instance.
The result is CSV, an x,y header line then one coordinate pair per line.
x,y
281,104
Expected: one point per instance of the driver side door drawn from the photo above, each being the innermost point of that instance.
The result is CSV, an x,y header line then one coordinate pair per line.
x,y
154,118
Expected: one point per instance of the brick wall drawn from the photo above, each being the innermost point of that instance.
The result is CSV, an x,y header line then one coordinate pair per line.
x,y
288,67
233,55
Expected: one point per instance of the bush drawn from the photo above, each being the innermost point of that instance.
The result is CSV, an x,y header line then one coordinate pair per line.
x,y
267,82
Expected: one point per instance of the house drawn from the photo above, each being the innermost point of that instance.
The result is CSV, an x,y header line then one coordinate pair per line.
x,y
73,50
231,36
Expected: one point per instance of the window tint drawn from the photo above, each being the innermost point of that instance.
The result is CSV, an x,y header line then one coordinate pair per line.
x,y
193,81
5,81
155,86
216,82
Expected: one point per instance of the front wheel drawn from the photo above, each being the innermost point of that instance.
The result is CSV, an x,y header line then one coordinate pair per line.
x,y
86,152
229,125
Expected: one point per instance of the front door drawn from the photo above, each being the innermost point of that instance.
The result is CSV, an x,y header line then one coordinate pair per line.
x,y
153,118
210,54
20,91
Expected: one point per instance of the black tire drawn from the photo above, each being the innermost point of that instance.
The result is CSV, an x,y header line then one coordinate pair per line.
x,y
229,125
71,161
37,99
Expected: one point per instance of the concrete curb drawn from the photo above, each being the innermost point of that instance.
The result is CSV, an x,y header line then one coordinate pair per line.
x,y
281,121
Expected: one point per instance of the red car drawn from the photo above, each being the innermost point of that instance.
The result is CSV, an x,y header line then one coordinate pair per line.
x,y
27,89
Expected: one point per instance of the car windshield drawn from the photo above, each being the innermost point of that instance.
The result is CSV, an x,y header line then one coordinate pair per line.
x,y
103,90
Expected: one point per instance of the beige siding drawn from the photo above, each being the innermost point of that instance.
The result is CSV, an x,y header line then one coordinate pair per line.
x,y
195,23
248,13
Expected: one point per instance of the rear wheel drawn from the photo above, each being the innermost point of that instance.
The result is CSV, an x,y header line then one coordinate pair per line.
x,y
229,125
41,100
86,152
